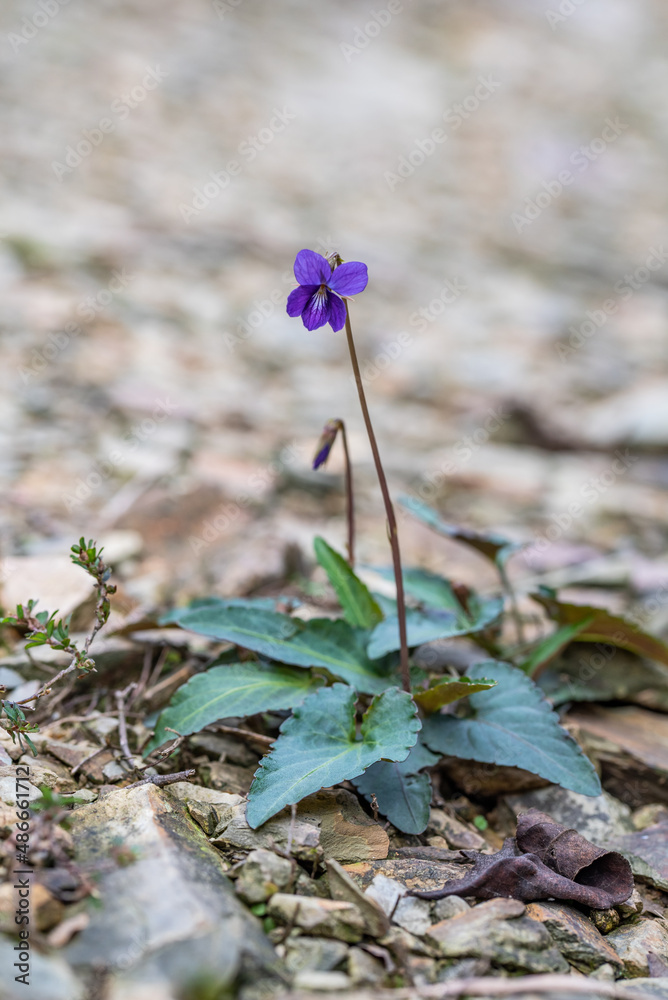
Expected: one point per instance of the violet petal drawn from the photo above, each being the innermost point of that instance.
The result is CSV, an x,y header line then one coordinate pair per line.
x,y
312,268
322,455
298,298
317,309
349,278
337,311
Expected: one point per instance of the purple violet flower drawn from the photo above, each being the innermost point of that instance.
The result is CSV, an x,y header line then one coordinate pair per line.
x,y
318,299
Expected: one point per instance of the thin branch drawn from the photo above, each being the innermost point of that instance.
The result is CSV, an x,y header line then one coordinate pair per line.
x,y
264,741
487,986
161,779
120,697
90,756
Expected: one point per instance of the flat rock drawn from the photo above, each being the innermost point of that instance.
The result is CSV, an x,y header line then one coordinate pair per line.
x,y
304,835
386,893
649,987
498,930
315,953
50,977
575,936
330,823
226,777
413,915
413,873
322,982
324,917
263,874
8,786
634,941
209,807
170,910
454,832
342,886
54,581
346,832
52,774
450,906
364,969
599,818
647,853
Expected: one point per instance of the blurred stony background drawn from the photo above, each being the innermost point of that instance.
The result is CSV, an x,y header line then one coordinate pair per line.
x,y
499,166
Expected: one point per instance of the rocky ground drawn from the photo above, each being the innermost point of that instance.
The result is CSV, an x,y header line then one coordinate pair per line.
x,y
498,165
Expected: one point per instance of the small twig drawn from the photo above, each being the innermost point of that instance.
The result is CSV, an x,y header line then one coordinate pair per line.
x,y
490,986
161,755
264,741
291,830
90,756
144,676
120,697
157,670
162,779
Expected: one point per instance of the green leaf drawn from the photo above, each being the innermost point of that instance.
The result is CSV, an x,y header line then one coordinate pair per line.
x,y
430,624
359,607
513,725
445,691
605,674
236,689
174,617
427,588
496,548
318,746
545,651
604,627
403,794
334,645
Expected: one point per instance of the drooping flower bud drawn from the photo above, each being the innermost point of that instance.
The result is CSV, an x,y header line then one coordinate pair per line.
x,y
326,442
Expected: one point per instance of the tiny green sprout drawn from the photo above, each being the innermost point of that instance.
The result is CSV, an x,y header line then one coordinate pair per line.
x,y
480,822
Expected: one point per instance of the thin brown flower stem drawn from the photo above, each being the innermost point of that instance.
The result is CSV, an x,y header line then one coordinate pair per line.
x,y
350,500
389,509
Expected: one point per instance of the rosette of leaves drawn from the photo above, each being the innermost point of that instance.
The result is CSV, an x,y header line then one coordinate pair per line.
x,y
349,719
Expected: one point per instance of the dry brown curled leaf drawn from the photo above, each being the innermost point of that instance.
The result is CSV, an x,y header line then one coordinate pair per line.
x,y
569,854
598,879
